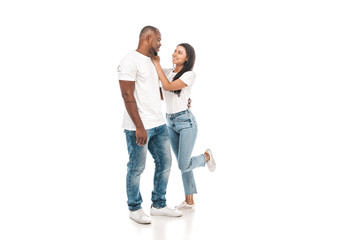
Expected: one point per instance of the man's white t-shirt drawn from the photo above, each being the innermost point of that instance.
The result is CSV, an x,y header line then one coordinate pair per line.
x,y
139,68
174,103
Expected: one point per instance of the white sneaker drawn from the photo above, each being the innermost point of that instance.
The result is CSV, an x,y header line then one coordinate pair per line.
x,y
140,217
165,211
185,207
211,163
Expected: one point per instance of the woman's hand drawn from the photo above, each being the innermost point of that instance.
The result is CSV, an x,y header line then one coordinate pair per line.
x,y
155,59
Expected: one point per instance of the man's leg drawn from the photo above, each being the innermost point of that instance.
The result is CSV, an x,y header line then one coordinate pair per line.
x,y
159,147
135,167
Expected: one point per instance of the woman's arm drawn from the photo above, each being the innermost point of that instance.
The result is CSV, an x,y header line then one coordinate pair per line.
x,y
167,85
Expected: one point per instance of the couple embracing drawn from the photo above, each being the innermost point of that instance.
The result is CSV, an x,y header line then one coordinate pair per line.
x,y
146,129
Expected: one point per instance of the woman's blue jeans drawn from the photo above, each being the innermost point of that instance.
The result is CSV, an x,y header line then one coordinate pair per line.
x,y
158,144
182,128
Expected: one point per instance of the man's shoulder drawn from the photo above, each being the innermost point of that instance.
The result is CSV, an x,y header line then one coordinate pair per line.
x,y
129,61
135,57
130,56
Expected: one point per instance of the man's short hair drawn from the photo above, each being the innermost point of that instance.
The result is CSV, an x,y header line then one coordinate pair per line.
x,y
146,29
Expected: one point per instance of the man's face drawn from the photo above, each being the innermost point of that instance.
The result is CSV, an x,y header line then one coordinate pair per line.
x,y
155,43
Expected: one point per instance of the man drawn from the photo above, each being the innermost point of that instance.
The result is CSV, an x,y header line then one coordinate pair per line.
x,y
144,126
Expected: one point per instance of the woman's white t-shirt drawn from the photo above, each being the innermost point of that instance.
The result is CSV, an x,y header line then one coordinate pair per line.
x,y
173,102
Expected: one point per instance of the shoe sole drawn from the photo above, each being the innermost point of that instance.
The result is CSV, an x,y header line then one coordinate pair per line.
x,y
163,215
187,210
213,160
140,222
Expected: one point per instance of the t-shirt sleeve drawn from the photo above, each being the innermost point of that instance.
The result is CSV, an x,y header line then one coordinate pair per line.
x,y
167,71
127,70
188,78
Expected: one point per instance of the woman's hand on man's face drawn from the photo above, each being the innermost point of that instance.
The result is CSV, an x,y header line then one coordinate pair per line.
x,y
155,59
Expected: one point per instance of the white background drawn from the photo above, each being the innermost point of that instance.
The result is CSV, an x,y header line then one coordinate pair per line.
x,y
276,98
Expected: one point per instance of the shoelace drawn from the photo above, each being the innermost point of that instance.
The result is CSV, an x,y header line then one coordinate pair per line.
x,y
141,213
172,209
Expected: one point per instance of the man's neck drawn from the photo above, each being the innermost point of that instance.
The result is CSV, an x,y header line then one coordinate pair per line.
x,y
143,51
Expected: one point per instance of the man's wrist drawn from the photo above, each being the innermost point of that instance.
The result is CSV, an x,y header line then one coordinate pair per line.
x,y
141,127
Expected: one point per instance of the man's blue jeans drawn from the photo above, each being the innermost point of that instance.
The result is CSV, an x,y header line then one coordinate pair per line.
x,y
158,144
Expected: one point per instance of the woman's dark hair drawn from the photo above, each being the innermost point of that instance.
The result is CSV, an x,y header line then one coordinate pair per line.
x,y
188,65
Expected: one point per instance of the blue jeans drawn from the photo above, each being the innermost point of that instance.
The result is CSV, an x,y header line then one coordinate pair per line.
x,y
182,128
159,146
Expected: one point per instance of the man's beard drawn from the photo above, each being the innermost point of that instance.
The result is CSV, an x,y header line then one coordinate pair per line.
x,y
153,52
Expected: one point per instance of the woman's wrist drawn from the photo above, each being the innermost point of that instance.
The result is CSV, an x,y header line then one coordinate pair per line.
x,y
157,64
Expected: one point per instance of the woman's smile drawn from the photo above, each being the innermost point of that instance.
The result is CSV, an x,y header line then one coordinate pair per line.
x,y
179,55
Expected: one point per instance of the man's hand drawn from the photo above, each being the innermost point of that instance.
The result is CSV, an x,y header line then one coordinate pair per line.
x,y
189,103
141,136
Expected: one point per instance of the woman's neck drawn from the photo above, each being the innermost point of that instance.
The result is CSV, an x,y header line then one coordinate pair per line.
x,y
178,68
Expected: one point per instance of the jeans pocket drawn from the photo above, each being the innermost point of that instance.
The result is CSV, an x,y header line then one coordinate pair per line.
x,y
180,125
182,118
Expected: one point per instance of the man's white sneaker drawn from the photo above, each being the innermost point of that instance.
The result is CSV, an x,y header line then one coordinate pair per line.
x,y
184,207
165,211
140,217
211,163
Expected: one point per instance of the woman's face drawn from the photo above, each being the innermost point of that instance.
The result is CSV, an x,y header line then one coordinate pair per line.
x,y
179,56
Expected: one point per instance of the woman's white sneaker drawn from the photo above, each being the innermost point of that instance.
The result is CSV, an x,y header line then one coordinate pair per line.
x,y
211,163
140,217
165,211
184,207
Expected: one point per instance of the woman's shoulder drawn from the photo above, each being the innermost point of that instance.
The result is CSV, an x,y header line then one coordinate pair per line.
x,y
167,70
190,74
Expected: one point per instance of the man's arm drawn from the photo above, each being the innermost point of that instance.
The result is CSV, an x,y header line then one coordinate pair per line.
x,y
127,91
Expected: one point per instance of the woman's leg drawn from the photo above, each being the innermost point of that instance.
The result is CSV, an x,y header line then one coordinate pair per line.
x,y
189,184
174,140
186,163
183,135
187,140
189,199
187,177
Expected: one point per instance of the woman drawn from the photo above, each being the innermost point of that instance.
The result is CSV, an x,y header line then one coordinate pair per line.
x,y
182,125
